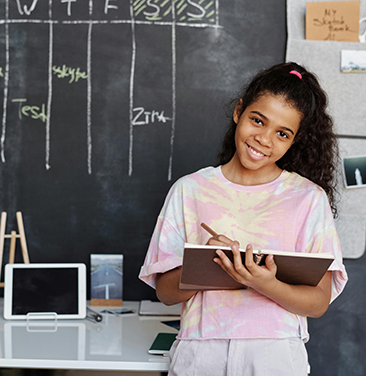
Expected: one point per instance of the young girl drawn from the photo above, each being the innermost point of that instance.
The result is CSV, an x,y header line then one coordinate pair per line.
x,y
273,189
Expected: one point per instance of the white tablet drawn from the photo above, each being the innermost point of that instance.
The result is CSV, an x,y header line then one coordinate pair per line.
x,y
45,288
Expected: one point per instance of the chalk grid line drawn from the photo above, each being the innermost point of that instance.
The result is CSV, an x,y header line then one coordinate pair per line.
x,y
132,21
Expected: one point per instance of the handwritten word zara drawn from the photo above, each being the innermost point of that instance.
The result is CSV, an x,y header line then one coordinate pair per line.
x,y
34,112
143,117
74,74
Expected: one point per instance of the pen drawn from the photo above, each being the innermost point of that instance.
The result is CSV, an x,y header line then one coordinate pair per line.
x,y
258,258
209,229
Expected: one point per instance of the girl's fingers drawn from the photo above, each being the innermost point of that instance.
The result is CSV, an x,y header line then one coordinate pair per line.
x,y
235,269
225,263
222,259
237,260
248,273
249,260
220,240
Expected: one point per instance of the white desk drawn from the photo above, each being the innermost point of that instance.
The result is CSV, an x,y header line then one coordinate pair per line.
x,y
117,343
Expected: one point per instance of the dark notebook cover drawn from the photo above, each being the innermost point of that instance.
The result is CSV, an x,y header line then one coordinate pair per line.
x,y
162,343
200,272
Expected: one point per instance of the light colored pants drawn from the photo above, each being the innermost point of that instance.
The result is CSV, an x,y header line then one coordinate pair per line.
x,y
247,357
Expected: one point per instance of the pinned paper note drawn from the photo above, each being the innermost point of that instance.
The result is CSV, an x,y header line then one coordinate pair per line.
x,y
333,20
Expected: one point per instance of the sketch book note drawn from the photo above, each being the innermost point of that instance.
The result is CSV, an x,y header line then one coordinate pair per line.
x,y
333,20
200,272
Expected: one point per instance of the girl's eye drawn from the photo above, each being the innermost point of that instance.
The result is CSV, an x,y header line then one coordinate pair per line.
x,y
257,121
282,134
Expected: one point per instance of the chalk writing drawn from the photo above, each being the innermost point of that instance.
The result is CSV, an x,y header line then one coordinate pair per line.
x,y
143,117
187,13
64,71
107,6
333,22
191,11
25,9
34,112
68,5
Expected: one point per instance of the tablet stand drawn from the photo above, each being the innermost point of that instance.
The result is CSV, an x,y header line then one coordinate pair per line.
x,y
13,236
33,324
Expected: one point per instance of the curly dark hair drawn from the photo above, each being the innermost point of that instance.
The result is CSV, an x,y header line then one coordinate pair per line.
x,y
314,153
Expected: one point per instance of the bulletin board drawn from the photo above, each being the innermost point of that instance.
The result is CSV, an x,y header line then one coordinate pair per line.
x,y
347,105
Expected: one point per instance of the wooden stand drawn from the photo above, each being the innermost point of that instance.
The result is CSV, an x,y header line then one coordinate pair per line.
x,y
13,236
106,302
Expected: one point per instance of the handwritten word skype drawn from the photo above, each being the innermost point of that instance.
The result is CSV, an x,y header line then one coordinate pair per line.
x,y
34,112
74,74
143,117
334,23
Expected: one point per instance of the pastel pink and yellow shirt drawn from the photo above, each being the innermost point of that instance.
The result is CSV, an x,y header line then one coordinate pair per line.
x,y
288,214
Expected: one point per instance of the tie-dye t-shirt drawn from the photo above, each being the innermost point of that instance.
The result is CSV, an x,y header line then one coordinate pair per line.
x,y
289,214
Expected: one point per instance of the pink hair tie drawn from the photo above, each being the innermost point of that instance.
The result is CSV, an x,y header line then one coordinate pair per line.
x,y
296,73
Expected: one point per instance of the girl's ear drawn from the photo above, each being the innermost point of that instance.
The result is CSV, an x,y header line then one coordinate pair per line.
x,y
237,111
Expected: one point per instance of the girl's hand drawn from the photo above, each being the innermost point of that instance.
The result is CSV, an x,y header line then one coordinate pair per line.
x,y
312,301
222,240
260,278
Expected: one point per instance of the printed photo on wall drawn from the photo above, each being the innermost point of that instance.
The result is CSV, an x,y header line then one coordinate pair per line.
x,y
354,171
106,280
353,61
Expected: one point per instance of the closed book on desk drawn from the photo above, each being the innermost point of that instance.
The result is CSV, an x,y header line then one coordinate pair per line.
x,y
162,344
150,308
200,272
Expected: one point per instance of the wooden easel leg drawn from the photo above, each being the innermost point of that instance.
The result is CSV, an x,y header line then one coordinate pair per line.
x,y
13,236
12,247
23,242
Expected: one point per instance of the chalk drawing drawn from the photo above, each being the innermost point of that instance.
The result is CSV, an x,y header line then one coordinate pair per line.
x,y
172,133
132,80
49,97
89,99
6,84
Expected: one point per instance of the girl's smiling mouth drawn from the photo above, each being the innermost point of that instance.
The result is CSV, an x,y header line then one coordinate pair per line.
x,y
256,152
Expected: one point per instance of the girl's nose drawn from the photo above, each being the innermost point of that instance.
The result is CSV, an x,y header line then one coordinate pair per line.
x,y
264,137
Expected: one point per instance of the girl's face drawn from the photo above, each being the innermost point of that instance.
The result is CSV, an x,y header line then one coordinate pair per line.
x,y
265,131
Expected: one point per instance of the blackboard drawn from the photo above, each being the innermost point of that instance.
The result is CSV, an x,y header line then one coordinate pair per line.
x,y
106,103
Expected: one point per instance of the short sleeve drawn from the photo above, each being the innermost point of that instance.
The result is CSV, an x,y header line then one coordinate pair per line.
x,y
321,236
165,250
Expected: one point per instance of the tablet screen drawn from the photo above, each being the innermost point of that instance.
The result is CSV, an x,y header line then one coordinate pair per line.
x,y
39,288
45,290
